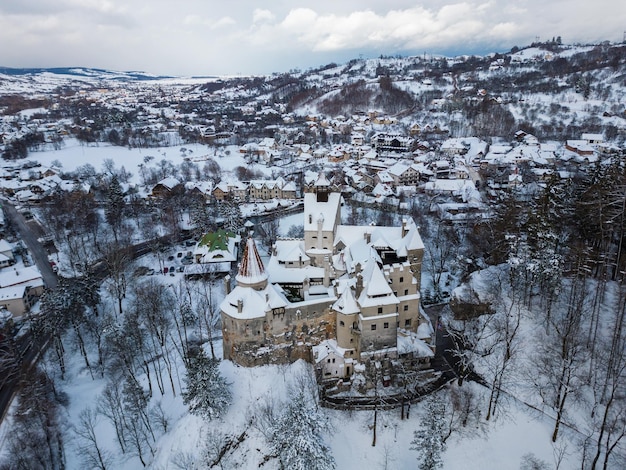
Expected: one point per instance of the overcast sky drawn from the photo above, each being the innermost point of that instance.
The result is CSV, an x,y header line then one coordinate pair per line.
x,y
209,37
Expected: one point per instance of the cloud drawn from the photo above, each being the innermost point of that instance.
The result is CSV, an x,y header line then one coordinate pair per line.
x,y
447,25
405,29
261,16
261,36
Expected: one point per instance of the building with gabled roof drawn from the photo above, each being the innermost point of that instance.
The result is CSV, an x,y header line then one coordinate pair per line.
x,y
214,253
165,187
20,288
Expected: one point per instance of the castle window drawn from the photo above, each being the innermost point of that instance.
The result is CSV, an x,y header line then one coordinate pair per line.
x,y
373,326
386,325
406,291
406,308
380,310
401,279
341,323
407,322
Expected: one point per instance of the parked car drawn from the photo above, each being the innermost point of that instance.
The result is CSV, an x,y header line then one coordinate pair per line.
x,y
54,267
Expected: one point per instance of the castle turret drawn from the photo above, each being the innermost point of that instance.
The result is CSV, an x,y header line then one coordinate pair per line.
x,y
322,188
251,270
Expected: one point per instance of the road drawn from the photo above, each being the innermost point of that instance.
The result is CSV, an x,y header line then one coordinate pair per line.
x,y
29,232
28,350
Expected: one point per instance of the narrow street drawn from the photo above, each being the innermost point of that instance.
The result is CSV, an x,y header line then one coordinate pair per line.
x,y
29,232
28,350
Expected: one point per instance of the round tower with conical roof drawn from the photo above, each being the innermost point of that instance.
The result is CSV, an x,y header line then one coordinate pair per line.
x,y
251,270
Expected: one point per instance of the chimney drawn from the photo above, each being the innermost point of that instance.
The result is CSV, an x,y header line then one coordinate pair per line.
x,y
227,284
239,305
404,230
359,284
326,271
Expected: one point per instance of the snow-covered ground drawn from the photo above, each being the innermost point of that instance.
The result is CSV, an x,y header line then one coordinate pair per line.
x,y
74,154
501,443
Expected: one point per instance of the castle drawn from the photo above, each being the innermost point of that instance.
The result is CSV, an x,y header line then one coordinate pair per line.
x,y
340,296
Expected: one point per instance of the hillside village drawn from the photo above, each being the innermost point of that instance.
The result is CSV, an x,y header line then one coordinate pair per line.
x,y
380,156
411,131
415,183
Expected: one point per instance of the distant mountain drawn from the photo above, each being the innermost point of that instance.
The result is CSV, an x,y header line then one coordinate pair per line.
x,y
83,72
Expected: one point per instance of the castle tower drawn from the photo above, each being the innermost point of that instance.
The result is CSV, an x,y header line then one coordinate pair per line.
x,y
251,270
322,215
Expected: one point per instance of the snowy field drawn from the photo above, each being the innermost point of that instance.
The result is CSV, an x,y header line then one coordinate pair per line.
x,y
500,446
74,154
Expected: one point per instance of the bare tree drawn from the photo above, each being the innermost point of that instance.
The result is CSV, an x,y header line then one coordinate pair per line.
x,y
36,441
111,405
440,252
153,303
609,410
92,452
562,353
505,341
117,257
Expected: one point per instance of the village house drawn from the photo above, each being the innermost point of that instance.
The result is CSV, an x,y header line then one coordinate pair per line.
x,y
406,174
214,253
581,147
6,254
165,187
593,139
20,288
262,190
233,191
452,147
200,189
391,143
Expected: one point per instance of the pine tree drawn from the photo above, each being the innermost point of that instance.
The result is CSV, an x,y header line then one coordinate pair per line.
x,y
114,205
296,437
231,213
207,392
428,440
201,217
